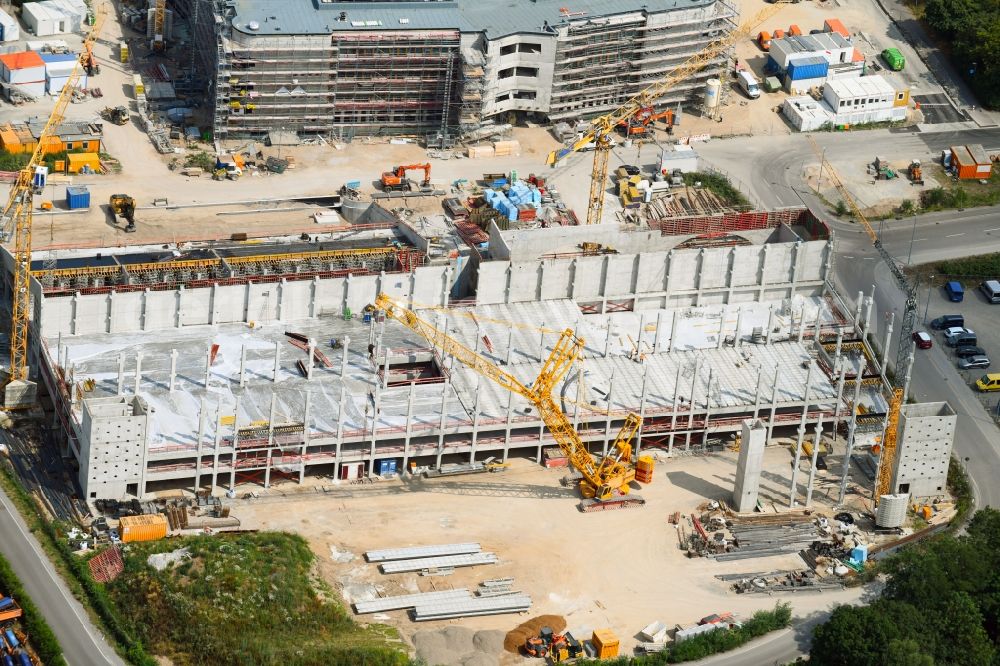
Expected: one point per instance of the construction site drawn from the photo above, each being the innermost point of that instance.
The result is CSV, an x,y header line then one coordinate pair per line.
x,y
416,371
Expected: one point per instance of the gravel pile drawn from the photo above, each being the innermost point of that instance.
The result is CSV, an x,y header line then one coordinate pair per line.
x,y
459,646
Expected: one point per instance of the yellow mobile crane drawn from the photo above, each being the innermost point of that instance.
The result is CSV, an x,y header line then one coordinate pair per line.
x,y
905,346
16,221
605,483
602,127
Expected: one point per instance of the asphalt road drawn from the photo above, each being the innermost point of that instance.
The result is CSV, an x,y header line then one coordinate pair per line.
x,y
82,643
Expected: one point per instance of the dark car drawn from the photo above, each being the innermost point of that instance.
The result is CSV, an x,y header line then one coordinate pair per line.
x,y
969,350
947,321
923,340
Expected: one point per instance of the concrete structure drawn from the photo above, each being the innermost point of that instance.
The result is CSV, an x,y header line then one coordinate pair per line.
x,y
870,99
455,64
926,436
752,440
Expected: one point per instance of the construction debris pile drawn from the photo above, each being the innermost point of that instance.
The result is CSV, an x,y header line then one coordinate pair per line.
x,y
493,597
726,536
799,580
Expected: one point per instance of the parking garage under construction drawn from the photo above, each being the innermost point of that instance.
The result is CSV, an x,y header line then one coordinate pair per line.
x,y
207,365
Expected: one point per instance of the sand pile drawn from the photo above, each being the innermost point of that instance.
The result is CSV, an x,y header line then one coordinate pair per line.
x,y
459,646
515,638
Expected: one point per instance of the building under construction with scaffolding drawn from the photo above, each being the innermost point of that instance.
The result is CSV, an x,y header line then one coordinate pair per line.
x,y
441,68
211,364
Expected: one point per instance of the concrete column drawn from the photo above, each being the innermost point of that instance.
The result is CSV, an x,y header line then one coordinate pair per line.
x,y
409,428
857,313
217,444
444,411
579,396
694,389
475,418
510,416
738,340
510,345
840,398
708,402
869,306
722,328
802,323
756,392
340,429
306,410
851,429
236,442
815,455
774,404
802,431
71,381
658,339
311,362
208,367
173,370
313,293
385,371
886,342
642,410
840,344
607,341
343,357
541,347
121,372
639,337
770,321
908,375
698,276
138,372
672,343
277,361
243,366
202,417
607,416
673,416
375,414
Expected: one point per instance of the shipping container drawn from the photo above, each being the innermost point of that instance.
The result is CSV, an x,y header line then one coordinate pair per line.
x,y
834,25
969,167
894,59
77,197
148,527
811,67
386,467
605,643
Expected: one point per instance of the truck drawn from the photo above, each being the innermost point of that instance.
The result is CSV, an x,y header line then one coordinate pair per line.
x,y
894,59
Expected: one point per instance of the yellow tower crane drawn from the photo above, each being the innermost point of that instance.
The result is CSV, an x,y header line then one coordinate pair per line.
x,y
16,221
159,23
605,483
601,128
904,347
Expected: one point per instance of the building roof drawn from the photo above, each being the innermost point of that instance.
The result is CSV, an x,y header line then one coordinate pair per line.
x,y
312,17
21,60
858,87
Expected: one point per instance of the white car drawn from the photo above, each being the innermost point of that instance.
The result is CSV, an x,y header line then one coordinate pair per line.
x,y
955,331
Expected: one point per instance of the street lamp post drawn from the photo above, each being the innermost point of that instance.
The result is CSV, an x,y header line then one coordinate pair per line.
x,y
913,233
930,283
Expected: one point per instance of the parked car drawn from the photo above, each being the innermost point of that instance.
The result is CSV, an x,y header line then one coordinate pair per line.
x,y
955,331
991,290
947,321
962,340
923,339
969,350
955,291
978,361
989,382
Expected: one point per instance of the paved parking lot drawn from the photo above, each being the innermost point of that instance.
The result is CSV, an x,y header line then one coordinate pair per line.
x,y
980,315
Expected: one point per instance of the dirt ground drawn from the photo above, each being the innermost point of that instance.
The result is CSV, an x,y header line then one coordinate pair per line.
x,y
620,569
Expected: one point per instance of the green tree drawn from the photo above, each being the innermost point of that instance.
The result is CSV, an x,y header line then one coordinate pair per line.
x,y
862,636
961,638
907,652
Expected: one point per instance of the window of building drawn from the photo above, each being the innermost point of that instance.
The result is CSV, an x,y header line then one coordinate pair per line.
x,y
505,73
899,97
503,98
525,94
507,50
529,47
527,71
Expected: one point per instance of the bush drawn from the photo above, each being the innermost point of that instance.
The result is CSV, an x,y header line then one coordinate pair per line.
x,y
841,210
39,633
719,185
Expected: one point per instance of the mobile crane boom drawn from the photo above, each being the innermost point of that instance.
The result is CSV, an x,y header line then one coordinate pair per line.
x,y
606,482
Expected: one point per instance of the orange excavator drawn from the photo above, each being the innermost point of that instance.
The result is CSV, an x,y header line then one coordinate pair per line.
x,y
396,180
640,123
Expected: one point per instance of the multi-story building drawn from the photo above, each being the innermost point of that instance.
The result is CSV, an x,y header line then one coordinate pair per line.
x,y
442,66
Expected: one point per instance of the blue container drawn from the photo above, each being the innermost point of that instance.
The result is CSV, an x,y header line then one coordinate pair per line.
x,y
11,639
7,660
25,659
387,467
6,603
77,197
813,67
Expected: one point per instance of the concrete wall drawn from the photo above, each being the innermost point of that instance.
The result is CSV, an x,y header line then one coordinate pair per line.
x,y
673,278
500,94
749,465
926,435
114,437
147,310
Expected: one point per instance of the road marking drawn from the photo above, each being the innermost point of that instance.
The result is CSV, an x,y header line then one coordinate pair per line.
x,y
953,235
993,229
919,240
848,257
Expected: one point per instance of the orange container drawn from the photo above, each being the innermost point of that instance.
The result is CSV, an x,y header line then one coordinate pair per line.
x,y
142,528
794,30
646,463
605,643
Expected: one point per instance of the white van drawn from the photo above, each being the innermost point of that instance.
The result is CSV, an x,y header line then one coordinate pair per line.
x,y
748,84
991,290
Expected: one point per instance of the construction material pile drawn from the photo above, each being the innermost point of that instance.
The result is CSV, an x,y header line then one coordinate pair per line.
x,y
799,580
515,637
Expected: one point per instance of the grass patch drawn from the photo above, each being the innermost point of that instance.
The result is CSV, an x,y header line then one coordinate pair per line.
x,y
200,159
963,194
760,623
242,599
719,185
39,633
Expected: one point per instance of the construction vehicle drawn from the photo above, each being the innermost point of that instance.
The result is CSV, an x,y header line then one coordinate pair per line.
x,y
639,124
557,647
904,348
229,166
601,128
16,223
115,114
396,180
122,205
916,173
605,483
